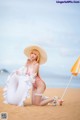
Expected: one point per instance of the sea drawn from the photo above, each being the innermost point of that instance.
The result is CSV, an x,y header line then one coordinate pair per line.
x,y
51,82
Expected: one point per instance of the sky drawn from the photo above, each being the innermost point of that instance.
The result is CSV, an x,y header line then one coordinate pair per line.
x,y
53,26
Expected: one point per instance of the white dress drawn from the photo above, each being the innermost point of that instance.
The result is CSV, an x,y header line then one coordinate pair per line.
x,y
17,86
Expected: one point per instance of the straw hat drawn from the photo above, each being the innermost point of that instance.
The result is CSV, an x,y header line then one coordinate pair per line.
x,y
43,55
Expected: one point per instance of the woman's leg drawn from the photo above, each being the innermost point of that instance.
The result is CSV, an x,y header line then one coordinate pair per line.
x,y
39,101
37,98
46,101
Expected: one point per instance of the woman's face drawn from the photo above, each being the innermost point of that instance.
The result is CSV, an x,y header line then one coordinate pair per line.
x,y
34,55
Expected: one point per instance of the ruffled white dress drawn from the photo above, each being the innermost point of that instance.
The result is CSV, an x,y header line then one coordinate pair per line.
x,y
17,86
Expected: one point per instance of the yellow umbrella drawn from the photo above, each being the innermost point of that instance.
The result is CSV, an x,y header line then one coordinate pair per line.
x,y
75,71
76,67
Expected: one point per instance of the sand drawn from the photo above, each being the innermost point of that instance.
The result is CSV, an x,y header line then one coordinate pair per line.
x,y
70,110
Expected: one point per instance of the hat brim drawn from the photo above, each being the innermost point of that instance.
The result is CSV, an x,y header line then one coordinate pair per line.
x,y
43,55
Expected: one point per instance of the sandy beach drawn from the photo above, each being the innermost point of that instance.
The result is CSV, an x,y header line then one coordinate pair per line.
x,y
70,110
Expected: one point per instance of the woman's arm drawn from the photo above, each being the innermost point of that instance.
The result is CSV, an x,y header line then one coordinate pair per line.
x,y
27,62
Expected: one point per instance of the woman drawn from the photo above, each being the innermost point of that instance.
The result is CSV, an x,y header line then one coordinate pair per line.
x,y
37,56
22,80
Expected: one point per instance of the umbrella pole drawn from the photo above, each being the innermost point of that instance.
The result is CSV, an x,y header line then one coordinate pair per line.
x,y
66,87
